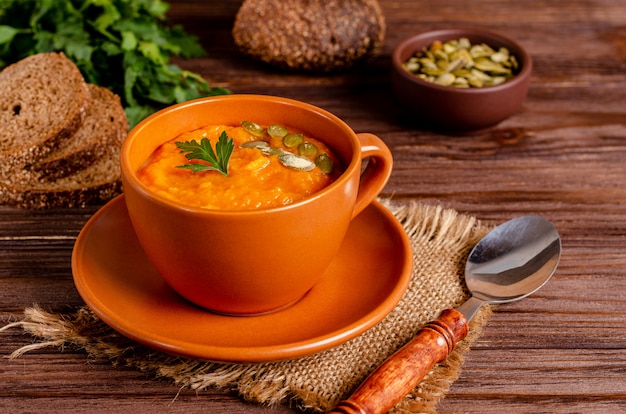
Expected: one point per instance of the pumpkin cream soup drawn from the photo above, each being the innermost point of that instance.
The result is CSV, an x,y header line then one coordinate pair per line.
x,y
244,167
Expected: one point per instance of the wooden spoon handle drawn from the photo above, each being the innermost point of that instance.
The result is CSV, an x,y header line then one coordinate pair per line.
x,y
404,370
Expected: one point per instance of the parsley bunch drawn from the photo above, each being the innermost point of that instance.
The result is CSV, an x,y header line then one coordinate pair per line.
x,y
124,45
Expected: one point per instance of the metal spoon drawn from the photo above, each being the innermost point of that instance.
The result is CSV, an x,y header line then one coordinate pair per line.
x,y
511,262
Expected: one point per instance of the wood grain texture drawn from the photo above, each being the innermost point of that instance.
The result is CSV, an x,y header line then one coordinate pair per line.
x,y
563,156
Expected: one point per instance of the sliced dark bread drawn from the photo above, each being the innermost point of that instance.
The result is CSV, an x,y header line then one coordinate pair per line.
x,y
103,130
43,101
93,185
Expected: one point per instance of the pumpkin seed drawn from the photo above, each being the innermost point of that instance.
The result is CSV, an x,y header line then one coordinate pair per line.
x,y
462,73
255,144
461,83
440,55
428,63
501,56
295,162
445,79
456,64
307,149
450,47
434,72
269,151
324,163
512,63
496,80
479,74
264,147
277,131
253,128
459,63
293,140
464,43
481,50
489,66
475,82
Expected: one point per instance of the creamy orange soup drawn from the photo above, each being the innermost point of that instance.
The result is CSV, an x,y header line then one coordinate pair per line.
x,y
257,178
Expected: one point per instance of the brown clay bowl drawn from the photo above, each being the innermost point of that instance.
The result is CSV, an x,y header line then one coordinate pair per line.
x,y
459,110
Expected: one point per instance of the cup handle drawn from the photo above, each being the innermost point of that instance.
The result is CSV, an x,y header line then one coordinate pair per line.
x,y
377,172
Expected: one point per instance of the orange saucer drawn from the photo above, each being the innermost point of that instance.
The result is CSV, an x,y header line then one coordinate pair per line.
x,y
362,285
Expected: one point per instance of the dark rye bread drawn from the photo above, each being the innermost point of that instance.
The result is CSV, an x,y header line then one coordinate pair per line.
x,y
60,139
43,101
103,130
93,185
310,35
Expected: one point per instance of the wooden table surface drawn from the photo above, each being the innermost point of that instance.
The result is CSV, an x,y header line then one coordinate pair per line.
x,y
563,156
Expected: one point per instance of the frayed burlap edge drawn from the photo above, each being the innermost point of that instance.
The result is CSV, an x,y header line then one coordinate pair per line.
x,y
266,383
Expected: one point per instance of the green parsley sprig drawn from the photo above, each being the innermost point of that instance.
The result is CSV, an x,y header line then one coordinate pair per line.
x,y
124,45
218,159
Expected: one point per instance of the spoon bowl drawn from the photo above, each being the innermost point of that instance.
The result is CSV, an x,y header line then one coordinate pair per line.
x,y
509,263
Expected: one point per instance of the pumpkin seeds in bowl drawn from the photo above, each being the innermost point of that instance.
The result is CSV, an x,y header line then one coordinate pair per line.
x,y
460,64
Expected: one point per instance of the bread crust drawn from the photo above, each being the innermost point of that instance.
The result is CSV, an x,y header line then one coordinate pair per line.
x,y
69,198
93,185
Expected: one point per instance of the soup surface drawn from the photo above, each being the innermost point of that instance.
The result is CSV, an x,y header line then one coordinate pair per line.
x,y
269,167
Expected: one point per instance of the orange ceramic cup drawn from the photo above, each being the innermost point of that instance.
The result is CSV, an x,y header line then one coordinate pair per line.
x,y
249,262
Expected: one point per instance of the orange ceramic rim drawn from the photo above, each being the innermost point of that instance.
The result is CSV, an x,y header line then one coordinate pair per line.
x,y
130,174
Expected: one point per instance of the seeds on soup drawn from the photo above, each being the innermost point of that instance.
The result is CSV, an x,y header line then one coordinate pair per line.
x,y
263,171
253,128
307,149
293,140
277,131
325,163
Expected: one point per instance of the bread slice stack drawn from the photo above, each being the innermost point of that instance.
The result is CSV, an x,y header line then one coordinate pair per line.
x,y
60,137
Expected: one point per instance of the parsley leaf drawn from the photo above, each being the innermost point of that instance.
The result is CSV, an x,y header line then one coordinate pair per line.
x,y
218,159
124,45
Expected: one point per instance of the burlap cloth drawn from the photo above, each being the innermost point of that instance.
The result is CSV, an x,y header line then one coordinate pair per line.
x,y
441,240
